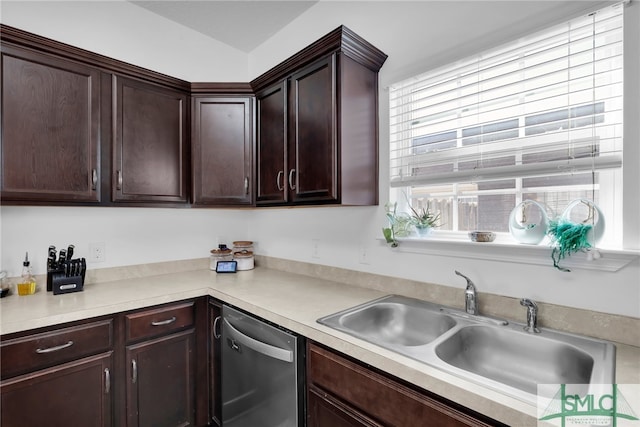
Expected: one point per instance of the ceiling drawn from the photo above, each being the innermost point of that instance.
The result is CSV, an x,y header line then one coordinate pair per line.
x,y
242,24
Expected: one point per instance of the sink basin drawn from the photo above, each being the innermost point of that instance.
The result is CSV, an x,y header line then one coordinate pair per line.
x,y
396,323
491,352
519,360
393,321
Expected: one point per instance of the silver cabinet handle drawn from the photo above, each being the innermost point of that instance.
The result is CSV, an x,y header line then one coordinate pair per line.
x,y
216,334
52,349
107,381
94,179
164,322
119,180
246,185
134,371
279,179
291,184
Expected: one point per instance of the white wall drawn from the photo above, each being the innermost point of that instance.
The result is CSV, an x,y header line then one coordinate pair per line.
x,y
124,31
415,35
131,235
343,233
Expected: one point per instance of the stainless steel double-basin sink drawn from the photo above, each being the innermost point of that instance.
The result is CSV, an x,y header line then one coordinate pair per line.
x,y
495,353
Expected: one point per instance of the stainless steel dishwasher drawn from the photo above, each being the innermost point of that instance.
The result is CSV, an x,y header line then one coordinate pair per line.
x,y
262,373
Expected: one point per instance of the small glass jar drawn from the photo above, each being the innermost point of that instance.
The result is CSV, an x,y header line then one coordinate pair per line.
x,y
223,253
5,287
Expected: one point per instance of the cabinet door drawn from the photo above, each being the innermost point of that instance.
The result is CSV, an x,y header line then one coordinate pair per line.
x,y
222,148
160,381
325,411
73,394
348,385
50,128
271,145
215,365
149,142
312,133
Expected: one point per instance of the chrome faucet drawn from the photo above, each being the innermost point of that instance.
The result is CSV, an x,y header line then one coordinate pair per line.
x,y
532,315
470,296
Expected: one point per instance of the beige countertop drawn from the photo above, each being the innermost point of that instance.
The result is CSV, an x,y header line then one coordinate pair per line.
x,y
291,300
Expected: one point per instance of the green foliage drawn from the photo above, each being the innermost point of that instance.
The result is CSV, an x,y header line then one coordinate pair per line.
x,y
567,237
424,218
388,236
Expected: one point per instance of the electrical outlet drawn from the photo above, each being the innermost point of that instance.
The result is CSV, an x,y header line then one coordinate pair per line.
x,y
363,255
97,252
315,250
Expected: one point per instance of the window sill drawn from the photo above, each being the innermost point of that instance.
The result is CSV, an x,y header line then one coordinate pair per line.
x,y
503,249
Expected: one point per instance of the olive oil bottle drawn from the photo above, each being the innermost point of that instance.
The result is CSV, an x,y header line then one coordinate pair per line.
x,y
27,283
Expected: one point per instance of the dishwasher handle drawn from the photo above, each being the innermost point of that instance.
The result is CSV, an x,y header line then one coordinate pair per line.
x,y
263,348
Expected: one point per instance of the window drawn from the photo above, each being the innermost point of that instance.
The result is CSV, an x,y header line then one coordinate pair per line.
x,y
539,118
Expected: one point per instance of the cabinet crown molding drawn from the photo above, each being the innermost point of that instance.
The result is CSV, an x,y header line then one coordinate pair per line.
x,y
209,88
342,39
28,40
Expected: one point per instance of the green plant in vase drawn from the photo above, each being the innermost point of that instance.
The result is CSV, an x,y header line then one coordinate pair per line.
x,y
399,224
424,220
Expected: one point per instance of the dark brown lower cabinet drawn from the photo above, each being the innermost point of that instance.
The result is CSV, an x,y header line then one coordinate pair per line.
x,y
161,381
325,410
160,367
343,392
145,368
77,393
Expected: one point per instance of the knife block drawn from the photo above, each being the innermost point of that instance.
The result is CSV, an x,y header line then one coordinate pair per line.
x,y
50,273
62,284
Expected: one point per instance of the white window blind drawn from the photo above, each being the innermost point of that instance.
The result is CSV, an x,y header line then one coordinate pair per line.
x,y
545,105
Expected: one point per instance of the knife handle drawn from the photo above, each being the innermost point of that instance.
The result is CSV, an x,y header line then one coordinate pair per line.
x,y
63,256
51,257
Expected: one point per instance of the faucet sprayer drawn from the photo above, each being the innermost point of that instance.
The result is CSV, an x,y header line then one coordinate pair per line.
x,y
532,315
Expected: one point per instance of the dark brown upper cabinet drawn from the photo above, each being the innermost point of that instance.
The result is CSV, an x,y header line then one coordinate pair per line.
x,y
317,124
50,128
312,158
150,142
271,143
81,128
222,150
